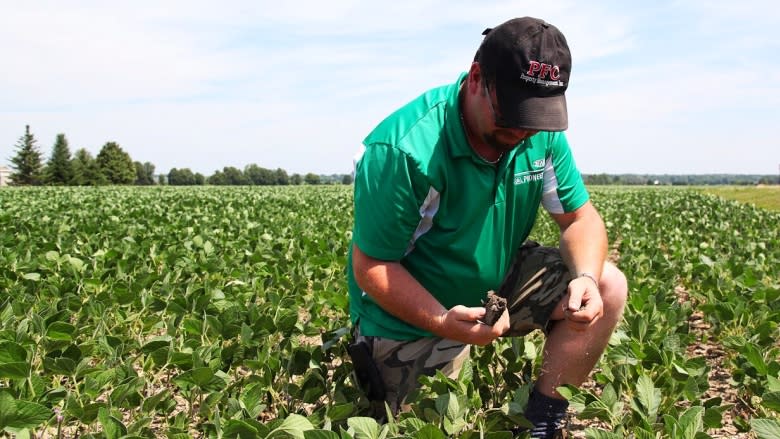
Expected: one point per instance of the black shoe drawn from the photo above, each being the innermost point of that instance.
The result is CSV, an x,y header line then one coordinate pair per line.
x,y
559,434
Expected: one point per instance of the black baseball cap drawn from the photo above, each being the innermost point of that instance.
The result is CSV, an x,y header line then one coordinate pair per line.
x,y
528,61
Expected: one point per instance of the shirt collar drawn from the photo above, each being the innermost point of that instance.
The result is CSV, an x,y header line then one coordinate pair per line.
x,y
455,132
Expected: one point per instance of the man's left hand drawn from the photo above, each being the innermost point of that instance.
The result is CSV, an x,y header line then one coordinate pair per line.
x,y
582,306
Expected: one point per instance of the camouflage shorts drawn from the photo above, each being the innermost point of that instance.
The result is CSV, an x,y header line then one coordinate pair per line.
x,y
400,364
536,282
534,285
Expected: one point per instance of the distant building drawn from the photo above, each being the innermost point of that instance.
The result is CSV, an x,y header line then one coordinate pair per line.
x,y
5,176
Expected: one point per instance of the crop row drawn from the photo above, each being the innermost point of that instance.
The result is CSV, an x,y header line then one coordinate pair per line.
x,y
181,312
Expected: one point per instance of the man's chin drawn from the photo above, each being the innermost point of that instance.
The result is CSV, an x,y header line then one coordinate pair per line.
x,y
501,147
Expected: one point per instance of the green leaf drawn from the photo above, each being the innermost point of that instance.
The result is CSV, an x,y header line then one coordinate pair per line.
x,y
287,320
252,397
649,396
62,365
713,416
593,433
32,276
183,360
771,400
293,426
320,434
88,414
429,431
151,403
567,392
411,424
160,356
247,335
679,369
60,331
608,396
235,428
641,434
773,384
21,414
11,352
7,409
15,370
112,427
76,263
466,374
364,427
299,363
753,354
156,343
30,414
692,421
447,405
499,435
193,326
20,433
338,412
766,428
201,376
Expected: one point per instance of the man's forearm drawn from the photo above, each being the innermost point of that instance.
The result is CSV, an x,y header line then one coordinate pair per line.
x,y
397,292
584,244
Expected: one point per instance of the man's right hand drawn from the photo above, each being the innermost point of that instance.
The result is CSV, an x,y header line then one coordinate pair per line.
x,y
398,293
461,323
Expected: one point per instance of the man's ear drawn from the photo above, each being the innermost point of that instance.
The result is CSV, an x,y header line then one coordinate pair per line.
x,y
474,79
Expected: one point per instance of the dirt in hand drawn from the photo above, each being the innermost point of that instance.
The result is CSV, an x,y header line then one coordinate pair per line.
x,y
494,308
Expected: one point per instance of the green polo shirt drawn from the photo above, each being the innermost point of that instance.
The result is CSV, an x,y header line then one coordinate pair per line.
x,y
424,198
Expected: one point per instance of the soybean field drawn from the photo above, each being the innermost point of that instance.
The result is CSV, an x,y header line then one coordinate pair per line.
x,y
222,312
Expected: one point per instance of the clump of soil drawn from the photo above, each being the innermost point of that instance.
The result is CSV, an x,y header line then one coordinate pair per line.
x,y
494,308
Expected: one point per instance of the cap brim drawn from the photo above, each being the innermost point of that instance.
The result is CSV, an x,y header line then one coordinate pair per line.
x,y
547,113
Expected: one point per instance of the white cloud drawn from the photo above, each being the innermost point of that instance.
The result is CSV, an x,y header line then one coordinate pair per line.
x,y
299,84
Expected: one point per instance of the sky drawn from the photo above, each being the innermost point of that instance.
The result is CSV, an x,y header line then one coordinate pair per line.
x,y
664,87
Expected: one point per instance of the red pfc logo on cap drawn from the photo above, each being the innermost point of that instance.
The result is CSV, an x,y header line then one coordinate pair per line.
x,y
541,70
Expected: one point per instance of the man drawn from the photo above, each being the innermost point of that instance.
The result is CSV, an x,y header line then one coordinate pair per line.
x,y
446,192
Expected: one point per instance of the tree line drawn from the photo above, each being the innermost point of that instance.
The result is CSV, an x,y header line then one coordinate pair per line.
x,y
114,166
681,180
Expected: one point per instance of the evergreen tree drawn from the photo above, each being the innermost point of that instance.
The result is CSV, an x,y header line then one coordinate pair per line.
x,y
86,171
27,161
59,170
115,164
